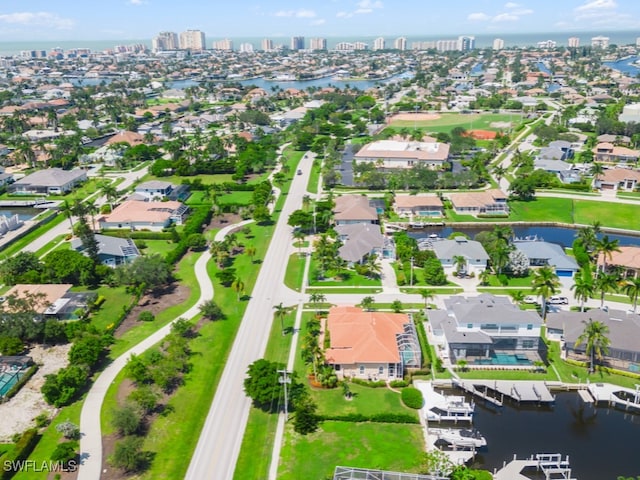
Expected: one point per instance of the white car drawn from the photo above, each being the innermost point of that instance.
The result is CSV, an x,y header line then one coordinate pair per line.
x,y
558,301
530,299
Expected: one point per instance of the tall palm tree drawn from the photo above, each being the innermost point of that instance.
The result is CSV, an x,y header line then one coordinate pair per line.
x,y
583,288
596,169
281,312
595,339
517,296
499,172
250,251
545,284
631,287
238,287
373,265
500,256
110,191
460,262
605,283
316,299
66,208
587,235
427,295
299,236
606,247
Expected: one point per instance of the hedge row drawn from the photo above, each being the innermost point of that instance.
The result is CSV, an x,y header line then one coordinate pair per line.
x,y
23,448
139,235
376,418
424,344
18,385
369,383
199,218
234,187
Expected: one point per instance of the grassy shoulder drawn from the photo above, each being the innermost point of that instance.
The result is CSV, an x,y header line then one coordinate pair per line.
x,y
295,271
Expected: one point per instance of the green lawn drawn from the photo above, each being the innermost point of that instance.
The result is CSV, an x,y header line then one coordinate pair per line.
x,y
115,299
395,447
295,272
543,209
161,247
241,197
512,281
312,186
205,178
448,121
197,198
53,245
344,290
349,278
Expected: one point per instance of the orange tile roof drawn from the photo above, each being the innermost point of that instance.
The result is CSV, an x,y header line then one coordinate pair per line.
x,y
363,337
627,256
134,211
50,292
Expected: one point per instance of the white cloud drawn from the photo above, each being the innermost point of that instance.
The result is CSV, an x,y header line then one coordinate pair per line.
x,y
37,19
364,7
511,5
296,13
505,17
597,5
478,17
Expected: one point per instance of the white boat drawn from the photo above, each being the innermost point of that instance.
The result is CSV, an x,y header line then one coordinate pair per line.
x,y
459,437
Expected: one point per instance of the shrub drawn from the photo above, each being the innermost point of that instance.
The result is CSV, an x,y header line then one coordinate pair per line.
x,y
369,383
127,419
398,384
64,452
42,420
23,448
412,397
128,455
69,430
146,316
376,418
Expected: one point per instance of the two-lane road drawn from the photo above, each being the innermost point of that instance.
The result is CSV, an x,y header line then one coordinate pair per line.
x,y
221,437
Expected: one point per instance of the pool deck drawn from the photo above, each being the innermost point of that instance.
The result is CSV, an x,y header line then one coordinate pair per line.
x,y
520,391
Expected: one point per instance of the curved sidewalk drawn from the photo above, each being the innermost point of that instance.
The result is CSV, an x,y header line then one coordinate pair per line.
x,y
90,467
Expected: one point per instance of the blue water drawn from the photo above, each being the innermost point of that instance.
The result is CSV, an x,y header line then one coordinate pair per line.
x,y
503,359
543,68
23,213
561,236
9,379
625,66
602,443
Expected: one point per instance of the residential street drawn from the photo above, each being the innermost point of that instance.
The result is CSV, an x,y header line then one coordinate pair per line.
x,y
220,440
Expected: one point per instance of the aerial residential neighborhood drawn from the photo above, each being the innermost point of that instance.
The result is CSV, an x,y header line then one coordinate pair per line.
x,y
352,257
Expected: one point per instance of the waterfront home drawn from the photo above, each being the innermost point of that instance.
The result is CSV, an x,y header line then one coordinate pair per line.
x,y
135,215
624,332
351,209
627,259
158,190
617,179
358,241
418,205
486,202
51,181
542,254
486,330
132,138
396,154
112,251
473,252
609,153
371,345
52,300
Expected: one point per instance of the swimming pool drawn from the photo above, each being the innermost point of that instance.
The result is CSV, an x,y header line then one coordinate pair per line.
x,y
429,213
504,359
9,378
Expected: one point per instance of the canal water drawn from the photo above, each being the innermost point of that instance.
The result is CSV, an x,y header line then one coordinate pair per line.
x,y
602,443
23,213
559,235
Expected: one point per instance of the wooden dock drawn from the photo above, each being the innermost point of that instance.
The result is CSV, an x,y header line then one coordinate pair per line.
x,y
552,466
520,391
605,392
585,396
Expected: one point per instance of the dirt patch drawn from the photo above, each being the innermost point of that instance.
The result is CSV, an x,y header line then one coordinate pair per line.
x,y
222,221
108,447
500,124
19,413
415,116
173,294
482,134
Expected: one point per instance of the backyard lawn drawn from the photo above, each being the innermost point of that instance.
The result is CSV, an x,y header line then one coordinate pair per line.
x,y
395,447
471,121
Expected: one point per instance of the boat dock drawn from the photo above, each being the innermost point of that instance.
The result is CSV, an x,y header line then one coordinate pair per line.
x,y
444,408
520,391
551,465
585,396
613,395
38,203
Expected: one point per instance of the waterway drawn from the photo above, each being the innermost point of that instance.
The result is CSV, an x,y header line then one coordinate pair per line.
x,y
625,65
559,235
602,443
23,213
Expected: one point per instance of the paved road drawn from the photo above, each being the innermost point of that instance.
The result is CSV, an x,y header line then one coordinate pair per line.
x,y
91,440
220,440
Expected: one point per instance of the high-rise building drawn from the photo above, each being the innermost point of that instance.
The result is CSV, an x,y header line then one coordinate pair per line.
x,y
379,43
297,43
574,42
466,43
267,44
400,43
447,45
193,40
638,42
548,44
600,42
225,44
318,44
498,44
360,46
165,41
427,45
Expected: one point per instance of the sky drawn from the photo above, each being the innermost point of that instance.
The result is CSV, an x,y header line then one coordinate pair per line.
x,y
28,20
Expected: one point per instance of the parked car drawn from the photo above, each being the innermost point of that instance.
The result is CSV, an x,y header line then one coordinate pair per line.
x,y
558,301
530,299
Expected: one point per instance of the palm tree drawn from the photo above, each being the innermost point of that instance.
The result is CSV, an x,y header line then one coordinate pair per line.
x,y
595,339
317,298
631,287
250,250
280,313
587,235
605,283
460,263
499,171
583,287
110,191
427,295
596,169
238,287
517,296
373,265
500,256
299,236
484,276
606,247
218,250
545,284
67,210
366,303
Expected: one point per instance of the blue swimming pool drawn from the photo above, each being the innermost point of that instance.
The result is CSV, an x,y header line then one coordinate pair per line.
x,y
504,359
9,378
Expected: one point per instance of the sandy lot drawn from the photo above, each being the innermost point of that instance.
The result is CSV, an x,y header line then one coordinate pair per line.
x,y
415,116
19,413
500,124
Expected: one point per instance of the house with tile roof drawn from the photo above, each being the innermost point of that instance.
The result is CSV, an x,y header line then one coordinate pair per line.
x,y
617,179
359,240
396,154
135,215
628,259
476,257
486,202
609,153
371,345
418,206
50,181
354,209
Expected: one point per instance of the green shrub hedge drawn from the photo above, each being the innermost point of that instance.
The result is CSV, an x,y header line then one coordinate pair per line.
x,y
377,418
412,397
369,383
23,448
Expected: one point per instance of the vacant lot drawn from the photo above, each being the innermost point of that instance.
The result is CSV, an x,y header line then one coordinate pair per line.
x,y
448,121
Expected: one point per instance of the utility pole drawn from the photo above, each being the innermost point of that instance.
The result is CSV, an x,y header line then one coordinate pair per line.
x,y
411,283
284,379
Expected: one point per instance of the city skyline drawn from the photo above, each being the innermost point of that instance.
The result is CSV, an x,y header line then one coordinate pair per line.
x,y
69,20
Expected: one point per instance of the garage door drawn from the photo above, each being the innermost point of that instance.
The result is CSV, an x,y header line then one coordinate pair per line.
x,y
564,273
